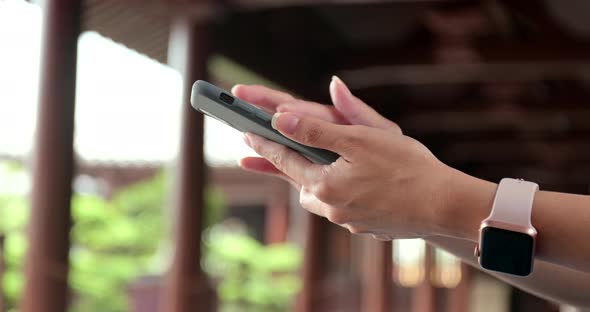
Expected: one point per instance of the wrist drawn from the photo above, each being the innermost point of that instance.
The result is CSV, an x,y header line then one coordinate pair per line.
x,y
467,201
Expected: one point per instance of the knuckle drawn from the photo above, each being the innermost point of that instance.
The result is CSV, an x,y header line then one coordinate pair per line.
x,y
349,143
395,128
324,191
313,134
306,199
277,157
355,230
335,216
303,201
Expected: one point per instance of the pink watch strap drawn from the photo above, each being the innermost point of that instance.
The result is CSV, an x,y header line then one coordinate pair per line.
x,y
513,203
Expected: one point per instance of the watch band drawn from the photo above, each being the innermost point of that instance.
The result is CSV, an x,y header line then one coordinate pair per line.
x,y
513,202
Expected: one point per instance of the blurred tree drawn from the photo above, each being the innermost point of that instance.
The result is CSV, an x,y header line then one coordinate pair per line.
x,y
115,241
112,241
249,275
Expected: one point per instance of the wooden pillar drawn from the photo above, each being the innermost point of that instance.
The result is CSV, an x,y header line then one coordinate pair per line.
x,y
377,285
312,270
46,285
423,299
187,287
458,297
276,221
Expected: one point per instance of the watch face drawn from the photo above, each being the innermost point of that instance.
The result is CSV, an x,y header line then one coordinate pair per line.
x,y
506,251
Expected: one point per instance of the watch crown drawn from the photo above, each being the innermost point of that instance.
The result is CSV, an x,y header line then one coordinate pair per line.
x,y
476,251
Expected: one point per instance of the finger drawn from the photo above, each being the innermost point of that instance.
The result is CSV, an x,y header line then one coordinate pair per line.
x,y
259,164
298,168
325,112
342,139
263,166
354,109
261,96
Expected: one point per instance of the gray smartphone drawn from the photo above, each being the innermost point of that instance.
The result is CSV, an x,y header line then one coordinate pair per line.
x,y
245,117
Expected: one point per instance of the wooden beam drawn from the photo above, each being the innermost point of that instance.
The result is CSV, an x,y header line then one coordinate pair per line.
x,y
463,73
540,152
187,286
46,284
532,122
497,61
490,51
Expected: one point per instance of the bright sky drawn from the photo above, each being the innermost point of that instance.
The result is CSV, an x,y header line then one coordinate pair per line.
x,y
127,105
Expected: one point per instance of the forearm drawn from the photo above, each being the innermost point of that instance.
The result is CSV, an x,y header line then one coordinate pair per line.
x,y
549,281
562,220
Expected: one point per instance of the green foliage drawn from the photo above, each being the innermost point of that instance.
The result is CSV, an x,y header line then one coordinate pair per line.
x,y
13,217
251,276
115,241
112,241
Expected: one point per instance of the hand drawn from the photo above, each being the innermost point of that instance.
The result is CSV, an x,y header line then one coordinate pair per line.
x,y
385,183
347,110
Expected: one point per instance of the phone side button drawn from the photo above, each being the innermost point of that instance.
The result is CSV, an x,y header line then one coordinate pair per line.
x,y
264,116
247,108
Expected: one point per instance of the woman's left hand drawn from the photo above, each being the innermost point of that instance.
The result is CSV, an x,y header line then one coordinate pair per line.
x,y
385,183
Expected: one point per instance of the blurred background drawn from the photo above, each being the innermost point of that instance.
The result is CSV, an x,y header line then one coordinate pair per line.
x,y
116,196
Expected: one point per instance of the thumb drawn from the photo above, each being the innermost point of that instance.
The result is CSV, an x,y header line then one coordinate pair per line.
x,y
314,132
354,109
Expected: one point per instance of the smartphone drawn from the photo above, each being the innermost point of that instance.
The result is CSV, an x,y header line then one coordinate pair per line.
x,y
245,117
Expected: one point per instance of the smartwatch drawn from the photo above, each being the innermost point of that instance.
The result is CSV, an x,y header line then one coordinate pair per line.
x,y
506,236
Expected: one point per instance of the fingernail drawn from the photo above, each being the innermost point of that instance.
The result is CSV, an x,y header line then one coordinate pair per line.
x,y
246,139
341,83
286,123
233,89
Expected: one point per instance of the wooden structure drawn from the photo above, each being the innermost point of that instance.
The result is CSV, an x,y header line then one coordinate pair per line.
x,y
470,79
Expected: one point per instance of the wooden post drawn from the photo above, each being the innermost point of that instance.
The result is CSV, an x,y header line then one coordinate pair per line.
x,y
423,299
187,287
46,285
311,272
276,221
458,297
377,288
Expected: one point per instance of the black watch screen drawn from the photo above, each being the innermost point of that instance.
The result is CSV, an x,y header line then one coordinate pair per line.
x,y
506,251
